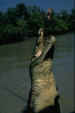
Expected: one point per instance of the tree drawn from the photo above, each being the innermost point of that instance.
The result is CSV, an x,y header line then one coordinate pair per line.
x,y
11,16
1,17
21,11
22,28
72,19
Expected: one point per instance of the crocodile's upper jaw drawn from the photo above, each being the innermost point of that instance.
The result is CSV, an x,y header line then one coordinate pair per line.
x,y
49,49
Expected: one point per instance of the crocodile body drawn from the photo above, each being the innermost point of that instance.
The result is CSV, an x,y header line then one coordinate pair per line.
x,y
43,85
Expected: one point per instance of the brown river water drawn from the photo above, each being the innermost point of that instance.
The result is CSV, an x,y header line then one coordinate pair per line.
x,y
14,74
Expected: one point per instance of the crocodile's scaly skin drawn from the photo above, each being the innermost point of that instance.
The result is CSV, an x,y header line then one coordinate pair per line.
x,y
43,88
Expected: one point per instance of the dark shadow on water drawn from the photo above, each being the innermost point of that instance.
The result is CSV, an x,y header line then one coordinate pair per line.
x,y
50,109
47,110
72,112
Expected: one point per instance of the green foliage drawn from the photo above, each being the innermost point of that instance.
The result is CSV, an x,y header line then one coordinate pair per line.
x,y
72,19
25,21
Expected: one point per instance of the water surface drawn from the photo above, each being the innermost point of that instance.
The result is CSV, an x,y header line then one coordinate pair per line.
x,y
64,71
14,74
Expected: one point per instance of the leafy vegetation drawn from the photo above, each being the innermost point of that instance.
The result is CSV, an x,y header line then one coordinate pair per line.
x,y
24,21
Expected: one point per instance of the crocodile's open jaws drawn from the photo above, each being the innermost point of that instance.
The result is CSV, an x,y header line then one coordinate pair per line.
x,y
43,85
48,51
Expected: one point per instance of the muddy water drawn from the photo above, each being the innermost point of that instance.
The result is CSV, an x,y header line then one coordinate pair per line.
x,y
14,74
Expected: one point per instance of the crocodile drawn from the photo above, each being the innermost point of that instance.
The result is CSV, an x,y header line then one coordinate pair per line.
x,y
44,95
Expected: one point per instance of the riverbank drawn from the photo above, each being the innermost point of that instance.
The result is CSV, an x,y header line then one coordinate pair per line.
x,y
4,42
23,21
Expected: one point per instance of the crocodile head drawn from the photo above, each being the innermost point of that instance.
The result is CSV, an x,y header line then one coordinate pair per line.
x,y
47,52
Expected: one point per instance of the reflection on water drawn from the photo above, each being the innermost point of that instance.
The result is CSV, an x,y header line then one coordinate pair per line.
x,y
14,74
